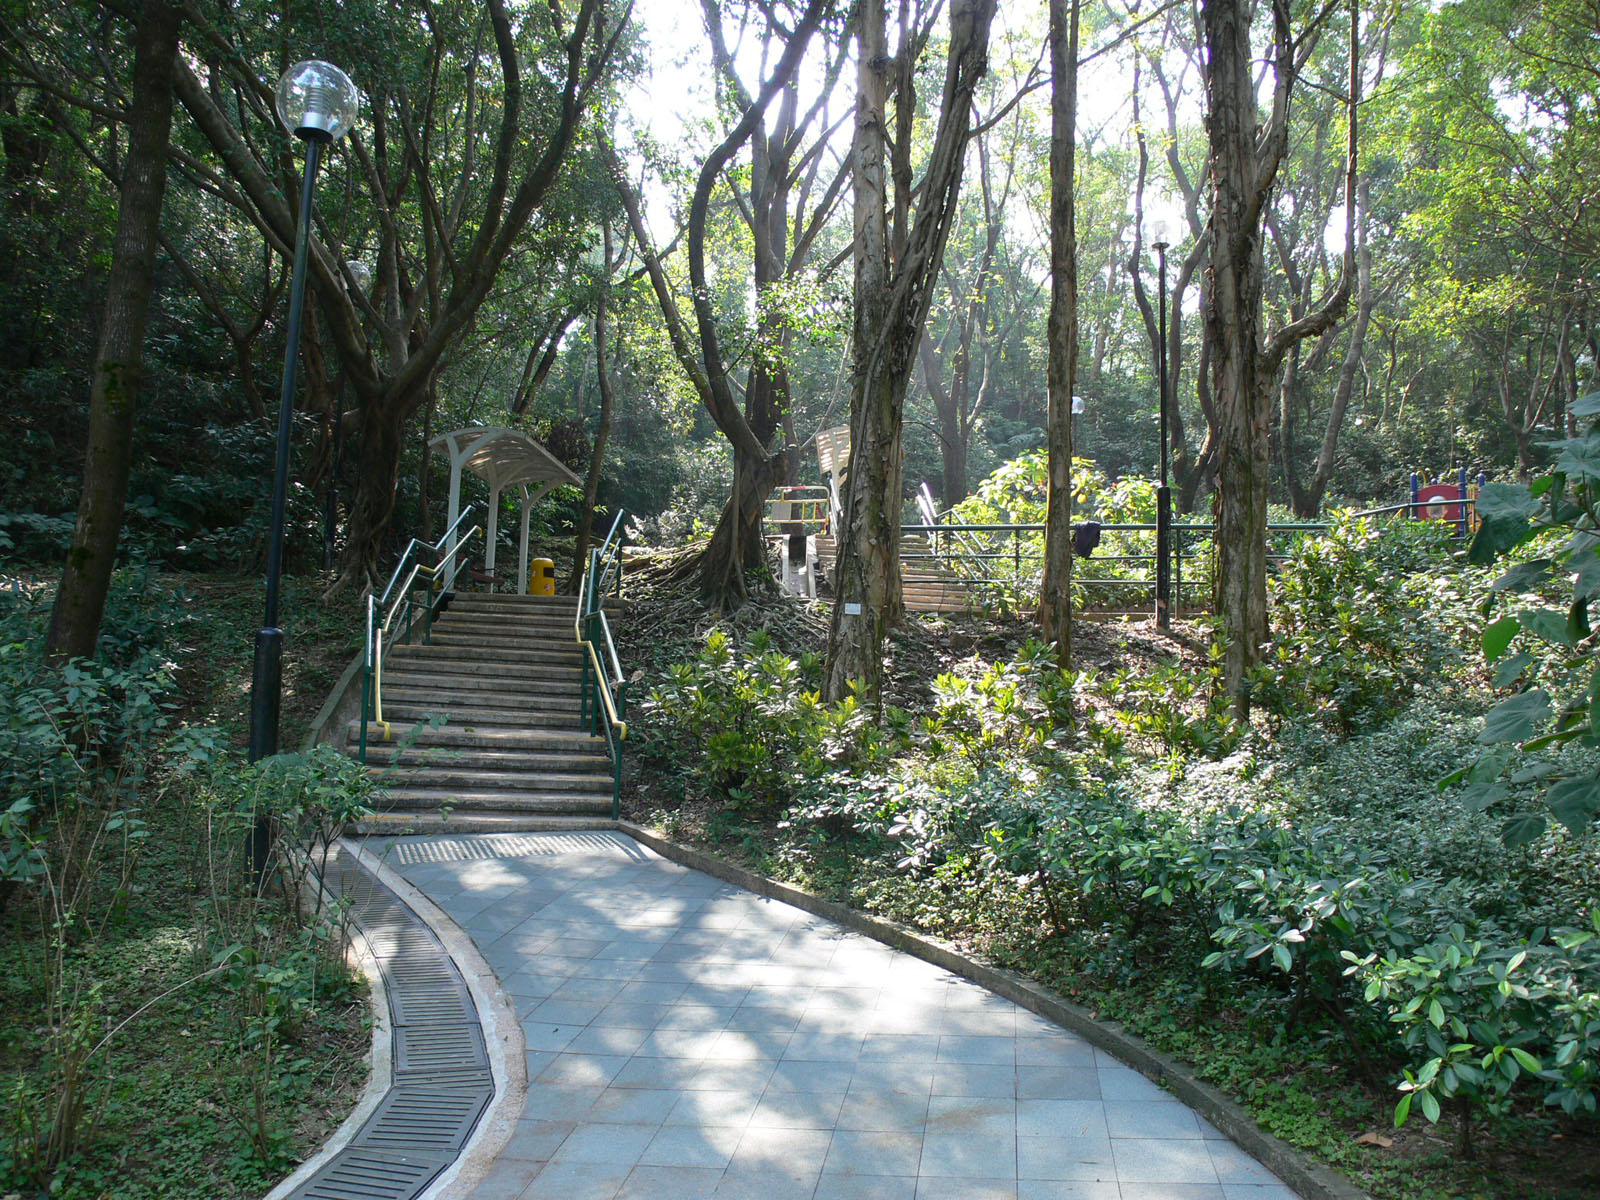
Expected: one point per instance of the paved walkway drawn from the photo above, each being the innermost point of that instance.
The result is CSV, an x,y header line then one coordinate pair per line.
x,y
687,1038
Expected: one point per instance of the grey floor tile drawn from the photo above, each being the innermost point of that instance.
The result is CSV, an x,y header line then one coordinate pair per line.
x,y
1233,1165
900,1047
797,1110
1172,1191
507,1179
709,1146
866,1187
1124,1083
540,1035
724,1108
1257,1191
559,1103
569,1180
974,1079
873,1153
1163,1160
670,1183
962,1188
535,1140
632,1106
1060,1189
1062,1118
812,1076
1075,1158
1151,1119
767,1185
1063,1050
883,1111
605,1039
968,1048
777,1151
611,1145
1059,1083
966,1155
571,1069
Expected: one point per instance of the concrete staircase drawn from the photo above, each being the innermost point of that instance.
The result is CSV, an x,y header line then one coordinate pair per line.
x,y
928,585
505,673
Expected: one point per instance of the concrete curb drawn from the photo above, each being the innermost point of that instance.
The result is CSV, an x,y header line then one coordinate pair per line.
x,y
1311,1180
338,699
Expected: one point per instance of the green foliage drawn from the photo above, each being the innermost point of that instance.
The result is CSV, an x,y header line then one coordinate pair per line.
x,y
1544,601
93,764
1349,639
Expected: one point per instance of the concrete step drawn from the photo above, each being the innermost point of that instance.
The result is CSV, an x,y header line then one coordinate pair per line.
x,y
400,822
470,647
487,737
419,666
543,749
464,717
457,687
473,780
411,799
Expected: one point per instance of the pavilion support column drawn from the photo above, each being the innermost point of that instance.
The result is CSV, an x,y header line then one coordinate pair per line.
x,y
455,498
522,569
491,533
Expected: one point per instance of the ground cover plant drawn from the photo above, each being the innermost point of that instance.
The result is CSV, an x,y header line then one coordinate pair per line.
x,y
175,1024
1294,904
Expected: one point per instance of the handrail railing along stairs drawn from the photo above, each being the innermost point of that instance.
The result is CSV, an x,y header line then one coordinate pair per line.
x,y
440,577
604,691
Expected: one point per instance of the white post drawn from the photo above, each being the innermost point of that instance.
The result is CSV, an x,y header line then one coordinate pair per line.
x,y
455,497
527,511
490,534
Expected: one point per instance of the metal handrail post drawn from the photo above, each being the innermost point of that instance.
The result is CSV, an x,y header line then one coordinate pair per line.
x,y
366,682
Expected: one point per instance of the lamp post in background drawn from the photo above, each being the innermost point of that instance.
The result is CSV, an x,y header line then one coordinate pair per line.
x,y
1077,411
318,104
360,277
1161,238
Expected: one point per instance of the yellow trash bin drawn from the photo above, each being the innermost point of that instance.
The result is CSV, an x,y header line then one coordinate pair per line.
x,y
542,578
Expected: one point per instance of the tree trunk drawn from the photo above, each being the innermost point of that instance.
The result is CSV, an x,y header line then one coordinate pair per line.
x,y
891,306
602,435
114,395
1234,290
378,448
1055,596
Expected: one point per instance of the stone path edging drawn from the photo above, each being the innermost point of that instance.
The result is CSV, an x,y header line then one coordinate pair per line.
x,y
1311,1180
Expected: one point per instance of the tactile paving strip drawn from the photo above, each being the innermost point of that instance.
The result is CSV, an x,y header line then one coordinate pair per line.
x,y
441,1081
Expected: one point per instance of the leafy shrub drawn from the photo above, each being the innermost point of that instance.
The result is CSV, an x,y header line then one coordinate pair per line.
x,y
1348,638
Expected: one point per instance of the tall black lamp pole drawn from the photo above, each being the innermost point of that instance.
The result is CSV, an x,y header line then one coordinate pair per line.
x,y
1163,493
318,103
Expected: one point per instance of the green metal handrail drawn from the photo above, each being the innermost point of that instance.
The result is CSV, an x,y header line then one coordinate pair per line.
x,y
604,693
382,611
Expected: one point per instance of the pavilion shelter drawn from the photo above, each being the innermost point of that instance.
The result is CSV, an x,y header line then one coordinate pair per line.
x,y
503,458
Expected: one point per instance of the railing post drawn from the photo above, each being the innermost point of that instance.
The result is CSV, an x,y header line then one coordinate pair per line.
x,y
366,683
1461,509
1416,488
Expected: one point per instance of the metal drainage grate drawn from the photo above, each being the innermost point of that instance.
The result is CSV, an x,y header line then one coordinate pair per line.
x,y
441,1082
375,1175
425,1049
427,1004
424,1118
513,845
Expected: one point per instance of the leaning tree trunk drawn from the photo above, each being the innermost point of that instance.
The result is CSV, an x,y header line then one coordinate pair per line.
x,y
1234,290
114,394
378,451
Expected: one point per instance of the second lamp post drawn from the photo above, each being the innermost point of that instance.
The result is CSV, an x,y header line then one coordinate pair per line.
x,y
318,104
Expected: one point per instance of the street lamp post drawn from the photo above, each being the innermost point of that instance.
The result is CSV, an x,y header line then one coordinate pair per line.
x,y
1161,240
317,102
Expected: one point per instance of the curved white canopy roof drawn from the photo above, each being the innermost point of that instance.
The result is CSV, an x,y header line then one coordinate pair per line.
x,y
504,457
